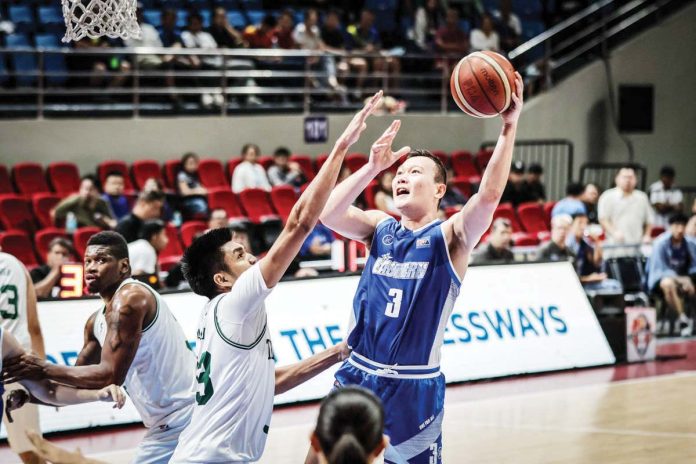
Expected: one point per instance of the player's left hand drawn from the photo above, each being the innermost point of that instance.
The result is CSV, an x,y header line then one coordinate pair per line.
x,y
381,154
357,124
512,114
112,393
24,367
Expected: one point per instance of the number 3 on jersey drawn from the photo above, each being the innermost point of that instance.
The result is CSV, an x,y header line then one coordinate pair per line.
x,y
394,306
203,378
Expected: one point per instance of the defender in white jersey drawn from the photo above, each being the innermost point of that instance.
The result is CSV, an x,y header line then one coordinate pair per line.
x,y
235,377
133,340
18,317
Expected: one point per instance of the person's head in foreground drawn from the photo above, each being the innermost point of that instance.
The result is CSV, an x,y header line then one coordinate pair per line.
x,y
560,225
114,184
626,179
580,223
106,262
60,251
501,234
281,157
250,153
155,232
189,163
214,262
590,194
419,184
350,427
677,226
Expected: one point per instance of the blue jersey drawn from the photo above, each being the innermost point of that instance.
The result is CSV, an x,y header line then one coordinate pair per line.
x,y
405,296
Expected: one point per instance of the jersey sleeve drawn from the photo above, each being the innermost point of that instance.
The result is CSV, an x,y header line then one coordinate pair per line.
x,y
246,298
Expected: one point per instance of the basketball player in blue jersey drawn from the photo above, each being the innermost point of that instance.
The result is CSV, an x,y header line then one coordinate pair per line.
x,y
411,281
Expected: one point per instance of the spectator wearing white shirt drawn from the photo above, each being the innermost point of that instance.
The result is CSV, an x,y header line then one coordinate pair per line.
x,y
249,173
485,37
143,252
195,37
666,199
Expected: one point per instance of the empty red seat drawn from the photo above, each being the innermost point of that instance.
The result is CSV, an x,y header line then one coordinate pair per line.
x,y
43,203
15,213
506,211
548,208
105,167
224,198
283,198
355,161
171,169
173,248
525,239
369,194
442,156
43,239
463,164
265,161
5,182
231,166
212,174
81,237
29,178
190,229
305,162
321,159
142,170
656,231
532,217
18,244
64,177
257,205
482,158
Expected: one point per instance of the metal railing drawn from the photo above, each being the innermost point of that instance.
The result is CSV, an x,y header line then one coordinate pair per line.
x,y
603,174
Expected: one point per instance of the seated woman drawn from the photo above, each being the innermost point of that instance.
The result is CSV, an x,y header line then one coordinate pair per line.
x,y
193,203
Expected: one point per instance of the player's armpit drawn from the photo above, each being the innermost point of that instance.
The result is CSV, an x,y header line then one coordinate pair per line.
x,y
469,224
357,224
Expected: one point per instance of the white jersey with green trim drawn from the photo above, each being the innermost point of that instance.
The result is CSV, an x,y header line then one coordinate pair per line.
x,y
13,299
159,380
235,377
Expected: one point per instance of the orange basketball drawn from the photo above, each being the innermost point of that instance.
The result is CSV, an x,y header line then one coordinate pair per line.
x,y
482,84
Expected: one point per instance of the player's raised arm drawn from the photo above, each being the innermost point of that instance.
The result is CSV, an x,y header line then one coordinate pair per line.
x,y
468,225
339,214
305,213
292,375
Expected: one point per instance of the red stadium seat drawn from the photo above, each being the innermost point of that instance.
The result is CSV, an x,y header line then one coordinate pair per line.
x,y
106,167
265,161
173,248
463,164
548,207
257,205
442,156
544,236
369,194
171,169
43,203
657,231
283,198
223,198
15,213
212,174
305,162
464,184
231,166
142,170
190,229
482,158
29,178
355,161
44,237
505,210
64,177
18,244
532,217
525,239
5,182
321,159
81,237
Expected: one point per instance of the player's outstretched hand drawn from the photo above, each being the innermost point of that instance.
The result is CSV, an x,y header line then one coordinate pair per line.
x,y
381,154
24,367
112,393
357,124
512,114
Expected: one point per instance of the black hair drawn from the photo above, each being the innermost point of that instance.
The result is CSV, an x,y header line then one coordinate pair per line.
x,y
308,12
270,21
574,189
281,151
151,196
113,241
90,177
350,425
578,214
632,167
114,174
289,13
150,229
535,168
247,146
440,172
203,259
194,15
62,242
186,157
678,218
667,171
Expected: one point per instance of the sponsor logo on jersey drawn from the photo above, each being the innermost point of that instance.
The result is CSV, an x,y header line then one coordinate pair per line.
x,y
388,239
386,266
423,242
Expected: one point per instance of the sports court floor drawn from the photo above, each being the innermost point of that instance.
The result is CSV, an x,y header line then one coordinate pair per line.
x,y
640,413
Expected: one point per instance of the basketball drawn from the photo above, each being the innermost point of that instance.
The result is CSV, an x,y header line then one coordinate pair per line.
x,y
482,84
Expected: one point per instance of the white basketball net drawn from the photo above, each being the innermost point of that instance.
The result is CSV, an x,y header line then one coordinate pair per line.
x,y
97,18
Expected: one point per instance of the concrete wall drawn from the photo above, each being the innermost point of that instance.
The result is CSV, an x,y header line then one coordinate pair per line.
x,y
576,109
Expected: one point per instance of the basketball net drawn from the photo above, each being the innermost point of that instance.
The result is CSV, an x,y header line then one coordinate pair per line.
x,y
97,18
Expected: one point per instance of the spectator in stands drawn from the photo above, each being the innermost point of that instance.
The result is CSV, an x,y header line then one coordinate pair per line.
x,y
89,209
556,249
624,212
147,207
225,34
430,17
169,33
365,38
262,35
249,173
497,250
693,207
143,252
195,37
451,38
283,33
571,204
334,38
105,69
508,25
590,197
671,268
691,227
318,244
155,185
665,198
453,198
485,37
283,171
535,186
46,278
384,197
516,191
6,26
218,219
193,194
587,250
350,423
114,185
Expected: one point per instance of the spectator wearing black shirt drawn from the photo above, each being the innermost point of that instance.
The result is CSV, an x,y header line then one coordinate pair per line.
x,y
334,38
516,191
535,187
497,250
46,278
223,32
169,33
147,207
590,197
